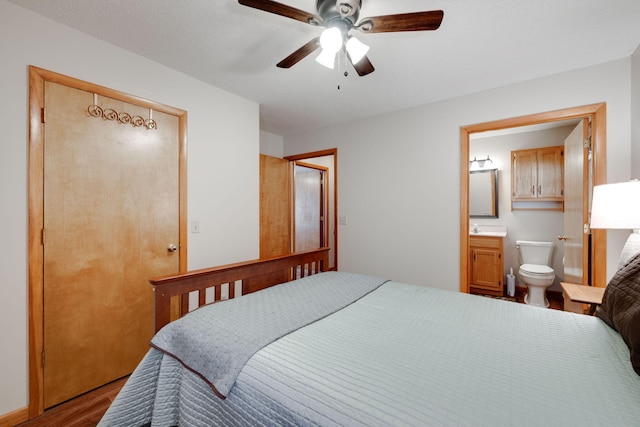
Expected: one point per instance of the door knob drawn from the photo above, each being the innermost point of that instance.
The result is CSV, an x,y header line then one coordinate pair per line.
x,y
562,237
172,247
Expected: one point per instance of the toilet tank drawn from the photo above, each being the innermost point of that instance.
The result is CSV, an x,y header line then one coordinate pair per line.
x,y
531,252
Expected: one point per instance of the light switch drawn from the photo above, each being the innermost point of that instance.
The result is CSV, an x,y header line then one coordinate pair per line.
x,y
195,226
342,220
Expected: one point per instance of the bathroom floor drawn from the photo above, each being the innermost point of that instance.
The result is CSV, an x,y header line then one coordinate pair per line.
x,y
556,302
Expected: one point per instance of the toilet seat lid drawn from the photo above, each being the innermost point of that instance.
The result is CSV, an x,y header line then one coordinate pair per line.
x,y
536,269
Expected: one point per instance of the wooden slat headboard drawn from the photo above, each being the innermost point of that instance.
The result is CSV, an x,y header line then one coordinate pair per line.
x,y
254,275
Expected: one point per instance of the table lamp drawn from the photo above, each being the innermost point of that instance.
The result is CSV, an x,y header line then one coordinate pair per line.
x,y
617,206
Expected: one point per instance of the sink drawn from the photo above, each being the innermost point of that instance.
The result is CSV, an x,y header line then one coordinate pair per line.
x,y
488,230
488,233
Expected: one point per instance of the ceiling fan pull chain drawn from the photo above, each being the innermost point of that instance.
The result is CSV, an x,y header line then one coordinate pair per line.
x,y
339,67
342,66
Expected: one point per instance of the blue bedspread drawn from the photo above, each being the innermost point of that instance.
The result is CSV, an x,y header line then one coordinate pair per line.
x,y
406,355
216,341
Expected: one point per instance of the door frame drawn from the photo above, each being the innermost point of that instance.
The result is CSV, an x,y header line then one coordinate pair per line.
x,y
597,114
329,152
37,79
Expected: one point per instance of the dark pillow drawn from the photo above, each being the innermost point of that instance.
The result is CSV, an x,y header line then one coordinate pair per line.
x,y
620,307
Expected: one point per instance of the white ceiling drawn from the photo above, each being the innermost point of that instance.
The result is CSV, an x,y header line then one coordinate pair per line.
x,y
480,45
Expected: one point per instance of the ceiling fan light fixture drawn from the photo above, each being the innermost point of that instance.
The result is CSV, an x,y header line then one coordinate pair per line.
x,y
331,39
327,58
331,42
356,49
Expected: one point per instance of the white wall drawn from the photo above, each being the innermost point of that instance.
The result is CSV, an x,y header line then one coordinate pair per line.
x,y
635,114
223,147
399,173
271,144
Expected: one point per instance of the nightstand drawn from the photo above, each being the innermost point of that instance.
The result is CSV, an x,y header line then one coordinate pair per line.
x,y
576,295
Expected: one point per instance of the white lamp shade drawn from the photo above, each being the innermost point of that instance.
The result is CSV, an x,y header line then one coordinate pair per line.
x,y
356,49
331,39
327,58
616,205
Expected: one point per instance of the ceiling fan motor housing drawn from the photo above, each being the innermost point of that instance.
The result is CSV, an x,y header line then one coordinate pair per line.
x,y
333,11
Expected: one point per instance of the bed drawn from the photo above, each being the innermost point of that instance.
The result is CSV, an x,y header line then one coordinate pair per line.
x,y
340,349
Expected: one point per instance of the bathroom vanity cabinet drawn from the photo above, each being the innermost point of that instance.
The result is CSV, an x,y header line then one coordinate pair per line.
x,y
487,265
537,175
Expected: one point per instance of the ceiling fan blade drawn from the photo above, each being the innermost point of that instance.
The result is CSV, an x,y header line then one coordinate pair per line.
x,y
299,54
362,67
282,10
416,21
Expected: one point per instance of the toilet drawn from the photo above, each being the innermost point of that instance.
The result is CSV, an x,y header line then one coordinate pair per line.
x,y
535,272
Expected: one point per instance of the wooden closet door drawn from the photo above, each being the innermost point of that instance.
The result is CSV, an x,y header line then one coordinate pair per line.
x,y
111,209
275,206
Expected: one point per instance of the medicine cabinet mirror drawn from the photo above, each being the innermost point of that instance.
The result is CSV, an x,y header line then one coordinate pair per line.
x,y
483,193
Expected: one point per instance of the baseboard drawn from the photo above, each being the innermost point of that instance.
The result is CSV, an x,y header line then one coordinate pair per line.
x,y
15,417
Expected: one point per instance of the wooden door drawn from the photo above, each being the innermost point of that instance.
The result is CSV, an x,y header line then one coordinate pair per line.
x,y
576,198
110,211
275,207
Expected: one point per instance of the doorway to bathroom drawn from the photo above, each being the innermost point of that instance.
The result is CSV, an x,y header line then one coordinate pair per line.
x,y
586,150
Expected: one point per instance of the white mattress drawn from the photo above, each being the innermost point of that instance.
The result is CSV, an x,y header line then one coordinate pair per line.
x,y
408,355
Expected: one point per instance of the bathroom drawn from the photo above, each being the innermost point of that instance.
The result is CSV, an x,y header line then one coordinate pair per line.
x,y
538,221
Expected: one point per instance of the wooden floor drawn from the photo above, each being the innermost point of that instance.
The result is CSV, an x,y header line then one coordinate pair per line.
x,y
555,298
83,411
556,301
87,410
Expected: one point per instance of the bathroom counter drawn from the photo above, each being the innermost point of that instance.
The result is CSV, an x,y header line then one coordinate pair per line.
x,y
487,230
489,233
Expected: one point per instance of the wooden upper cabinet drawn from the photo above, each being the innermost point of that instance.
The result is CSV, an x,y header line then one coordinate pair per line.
x,y
524,173
550,173
537,174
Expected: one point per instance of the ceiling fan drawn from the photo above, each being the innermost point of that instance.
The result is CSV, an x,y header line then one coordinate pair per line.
x,y
338,18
